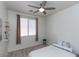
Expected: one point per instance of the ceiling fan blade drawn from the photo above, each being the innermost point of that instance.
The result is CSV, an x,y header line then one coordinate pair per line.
x,y
34,6
44,12
43,3
49,8
35,11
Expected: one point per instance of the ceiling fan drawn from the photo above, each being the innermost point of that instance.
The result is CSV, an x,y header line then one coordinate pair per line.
x,y
42,8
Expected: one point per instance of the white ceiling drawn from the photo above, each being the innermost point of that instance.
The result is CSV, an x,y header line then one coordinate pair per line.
x,y
21,6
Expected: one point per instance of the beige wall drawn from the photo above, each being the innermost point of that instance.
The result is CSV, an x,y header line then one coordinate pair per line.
x,y
25,41
64,25
3,17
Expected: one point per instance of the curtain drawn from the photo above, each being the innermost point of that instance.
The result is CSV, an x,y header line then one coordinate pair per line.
x,y
36,29
18,38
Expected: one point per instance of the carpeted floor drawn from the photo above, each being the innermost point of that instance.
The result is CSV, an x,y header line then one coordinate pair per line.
x,y
24,52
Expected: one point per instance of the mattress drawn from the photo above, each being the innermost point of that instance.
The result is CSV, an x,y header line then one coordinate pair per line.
x,y
51,51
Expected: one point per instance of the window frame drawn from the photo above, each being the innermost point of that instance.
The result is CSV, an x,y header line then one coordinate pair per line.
x,y
28,18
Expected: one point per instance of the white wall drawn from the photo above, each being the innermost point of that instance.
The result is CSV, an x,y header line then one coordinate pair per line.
x,y
25,42
3,16
64,25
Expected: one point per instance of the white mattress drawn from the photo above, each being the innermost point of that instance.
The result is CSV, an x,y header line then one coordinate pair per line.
x,y
51,51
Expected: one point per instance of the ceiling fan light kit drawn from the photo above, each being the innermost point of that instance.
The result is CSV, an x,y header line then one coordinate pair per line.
x,y
42,8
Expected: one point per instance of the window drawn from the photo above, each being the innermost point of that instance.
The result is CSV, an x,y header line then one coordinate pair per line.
x,y
32,27
28,27
24,26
